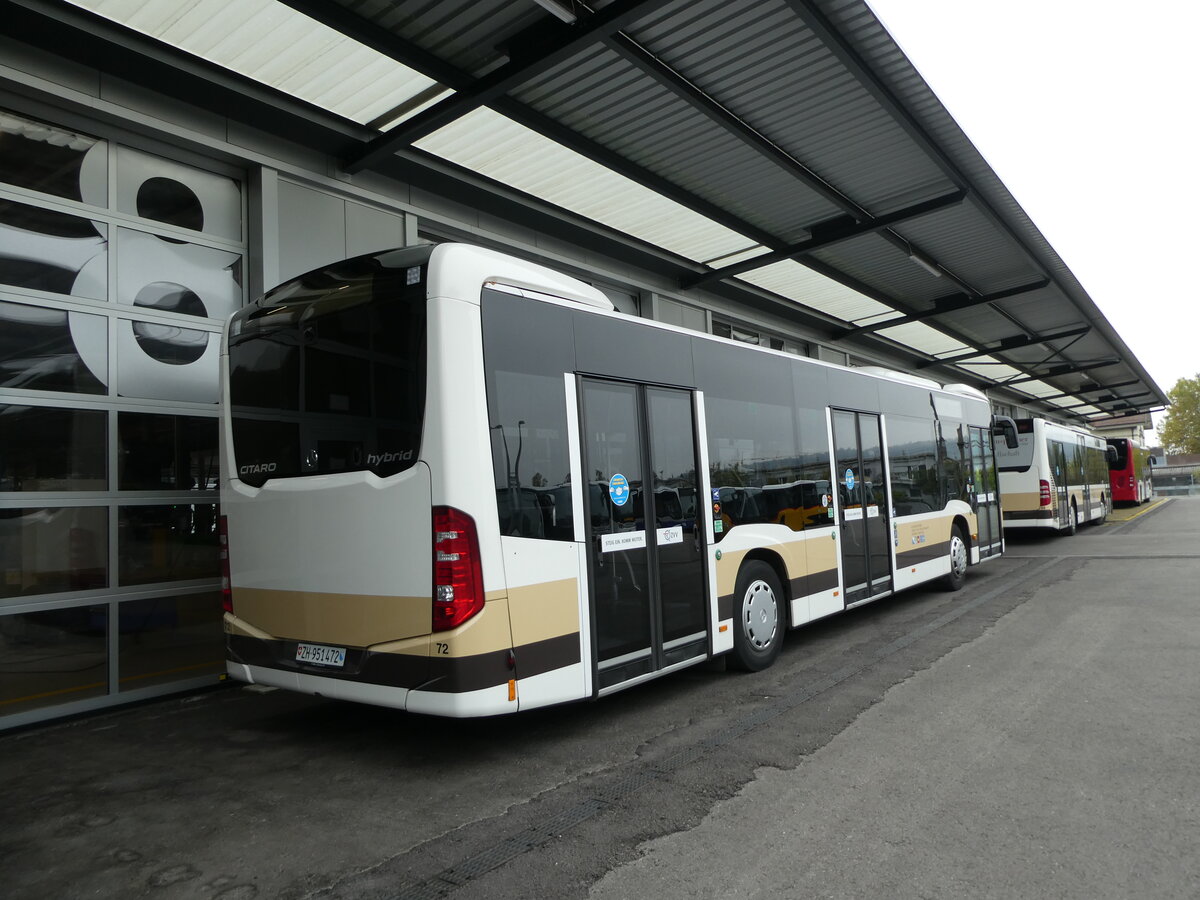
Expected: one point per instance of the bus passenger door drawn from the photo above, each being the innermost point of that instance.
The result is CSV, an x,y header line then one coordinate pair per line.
x,y
865,514
646,565
1062,485
985,499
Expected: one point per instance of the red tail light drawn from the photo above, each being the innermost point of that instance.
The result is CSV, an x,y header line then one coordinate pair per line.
x,y
1044,488
1132,482
223,552
457,576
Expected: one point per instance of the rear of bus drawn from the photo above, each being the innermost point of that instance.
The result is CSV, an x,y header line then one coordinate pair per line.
x,y
1027,487
350,571
1127,479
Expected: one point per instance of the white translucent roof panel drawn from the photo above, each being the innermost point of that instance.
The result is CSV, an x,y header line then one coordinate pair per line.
x,y
1041,389
274,44
1088,410
994,372
798,282
921,337
496,147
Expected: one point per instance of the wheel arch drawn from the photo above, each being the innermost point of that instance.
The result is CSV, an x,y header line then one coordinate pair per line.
x,y
775,561
961,521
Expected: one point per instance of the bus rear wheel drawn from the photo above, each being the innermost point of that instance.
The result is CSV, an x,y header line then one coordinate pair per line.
x,y
1072,521
758,617
957,576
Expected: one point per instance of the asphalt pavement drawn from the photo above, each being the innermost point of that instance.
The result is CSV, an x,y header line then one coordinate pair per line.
x,y
1034,735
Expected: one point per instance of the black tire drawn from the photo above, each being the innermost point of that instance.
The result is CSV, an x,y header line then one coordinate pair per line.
x,y
759,617
1073,524
959,558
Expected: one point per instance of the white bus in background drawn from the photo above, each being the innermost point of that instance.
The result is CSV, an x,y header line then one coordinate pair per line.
x,y
458,483
1056,478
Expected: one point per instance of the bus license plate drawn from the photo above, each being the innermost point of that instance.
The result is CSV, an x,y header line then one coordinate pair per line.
x,y
319,655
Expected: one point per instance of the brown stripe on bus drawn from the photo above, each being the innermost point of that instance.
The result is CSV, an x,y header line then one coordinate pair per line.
x,y
417,672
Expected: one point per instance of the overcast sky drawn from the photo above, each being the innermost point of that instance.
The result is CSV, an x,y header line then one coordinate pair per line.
x,y
1089,111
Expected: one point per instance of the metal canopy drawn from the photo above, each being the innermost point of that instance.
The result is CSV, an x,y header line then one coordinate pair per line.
x,y
783,153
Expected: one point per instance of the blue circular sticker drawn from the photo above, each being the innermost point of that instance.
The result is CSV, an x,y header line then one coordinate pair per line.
x,y
618,490
849,479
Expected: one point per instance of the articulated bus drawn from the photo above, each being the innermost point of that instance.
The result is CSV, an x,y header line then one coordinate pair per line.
x,y
1055,478
461,484
1129,471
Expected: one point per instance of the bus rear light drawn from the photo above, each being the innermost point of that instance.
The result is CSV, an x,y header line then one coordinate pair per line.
x,y
457,575
1044,490
223,554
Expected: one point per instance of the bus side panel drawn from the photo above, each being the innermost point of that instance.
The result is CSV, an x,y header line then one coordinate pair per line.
x,y
923,547
809,558
824,586
547,594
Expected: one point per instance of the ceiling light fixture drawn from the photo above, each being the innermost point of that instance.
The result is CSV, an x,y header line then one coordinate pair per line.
x,y
558,10
927,264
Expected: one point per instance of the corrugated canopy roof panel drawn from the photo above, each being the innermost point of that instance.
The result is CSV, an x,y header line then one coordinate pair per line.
x,y
781,151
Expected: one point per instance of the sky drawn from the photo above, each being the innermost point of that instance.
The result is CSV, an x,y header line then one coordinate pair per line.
x,y
1089,111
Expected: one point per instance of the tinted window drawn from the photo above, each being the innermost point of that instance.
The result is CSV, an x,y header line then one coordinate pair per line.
x,y
41,349
158,453
912,459
527,347
753,452
1122,448
167,543
954,458
50,449
43,157
327,372
53,548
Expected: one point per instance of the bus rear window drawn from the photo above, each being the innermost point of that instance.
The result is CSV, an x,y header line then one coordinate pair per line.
x,y
327,372
1020,458
1122,460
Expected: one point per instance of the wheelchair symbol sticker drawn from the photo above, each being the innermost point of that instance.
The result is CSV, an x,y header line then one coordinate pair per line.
x,y
618,489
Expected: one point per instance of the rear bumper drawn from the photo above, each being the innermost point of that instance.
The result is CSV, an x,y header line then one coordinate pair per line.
x,y
484,702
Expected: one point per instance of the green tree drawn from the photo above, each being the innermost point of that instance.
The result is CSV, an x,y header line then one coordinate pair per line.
x,y
1181,429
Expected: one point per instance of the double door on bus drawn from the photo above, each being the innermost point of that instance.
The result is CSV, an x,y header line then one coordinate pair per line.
x,y
864,515
985,492
648,586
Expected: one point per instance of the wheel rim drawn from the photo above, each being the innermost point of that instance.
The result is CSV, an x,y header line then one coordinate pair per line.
x,y
958,557
760,615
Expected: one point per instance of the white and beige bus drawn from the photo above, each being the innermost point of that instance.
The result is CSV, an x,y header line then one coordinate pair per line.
x,y
461,484
1056,478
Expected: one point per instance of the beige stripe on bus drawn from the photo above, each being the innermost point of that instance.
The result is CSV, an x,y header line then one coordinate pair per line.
x,y
354,620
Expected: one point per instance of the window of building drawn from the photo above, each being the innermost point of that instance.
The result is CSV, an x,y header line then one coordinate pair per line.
x,y
118,270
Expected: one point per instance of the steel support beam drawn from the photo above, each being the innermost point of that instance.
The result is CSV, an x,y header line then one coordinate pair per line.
x,y
1012,343
835,233
944,305
574,38
1073,370
652,66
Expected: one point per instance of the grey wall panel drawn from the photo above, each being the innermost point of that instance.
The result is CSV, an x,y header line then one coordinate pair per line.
x,y
369,230
312,229
59,70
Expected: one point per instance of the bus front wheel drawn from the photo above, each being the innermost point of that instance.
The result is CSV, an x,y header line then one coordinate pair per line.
x,y
759,617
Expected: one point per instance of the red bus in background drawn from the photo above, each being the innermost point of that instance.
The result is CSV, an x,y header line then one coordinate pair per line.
x,y
1129,472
